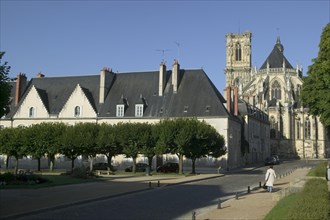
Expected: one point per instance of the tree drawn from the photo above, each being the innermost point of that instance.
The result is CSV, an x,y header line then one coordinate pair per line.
x,y
184,138
132,137
11,142
85,139
147,142
164,133
70,146
108,142
54,132
38,140
316,88
4,87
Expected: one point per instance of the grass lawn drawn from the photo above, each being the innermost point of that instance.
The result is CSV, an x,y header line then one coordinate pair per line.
x,y
282,207
312,203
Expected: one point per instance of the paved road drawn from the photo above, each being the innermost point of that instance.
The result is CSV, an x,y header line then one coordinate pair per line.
x,y
173,202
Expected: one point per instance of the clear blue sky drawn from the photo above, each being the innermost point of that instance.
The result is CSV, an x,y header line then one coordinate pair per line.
x,y
62,38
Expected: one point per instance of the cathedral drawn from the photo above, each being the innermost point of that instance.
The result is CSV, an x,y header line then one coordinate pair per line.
x,y
275,89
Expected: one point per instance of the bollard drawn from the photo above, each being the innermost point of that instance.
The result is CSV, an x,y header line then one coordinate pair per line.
x,y
149,184
219,204
249,191
158,184
194,216
236,196
259,184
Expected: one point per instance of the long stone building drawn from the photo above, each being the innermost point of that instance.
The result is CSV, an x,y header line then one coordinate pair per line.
x,y
275,89
140,97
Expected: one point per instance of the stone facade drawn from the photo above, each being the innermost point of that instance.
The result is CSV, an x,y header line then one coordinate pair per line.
x,y
275,89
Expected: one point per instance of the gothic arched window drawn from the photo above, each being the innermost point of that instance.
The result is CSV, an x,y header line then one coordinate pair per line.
x,y
276,90
273,127
307,129
238,52
298,128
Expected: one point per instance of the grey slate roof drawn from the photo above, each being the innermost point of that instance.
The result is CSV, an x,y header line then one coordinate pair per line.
x,y
196,96
275,58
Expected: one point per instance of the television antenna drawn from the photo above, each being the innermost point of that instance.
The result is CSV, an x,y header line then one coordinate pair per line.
x,y
163,53
178,49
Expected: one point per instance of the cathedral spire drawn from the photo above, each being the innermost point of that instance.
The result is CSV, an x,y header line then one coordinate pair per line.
x,y
279,45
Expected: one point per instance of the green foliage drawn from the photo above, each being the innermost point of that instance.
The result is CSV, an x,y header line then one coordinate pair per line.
x,y
316,88
319,171
184,137
70,145
20,179
4,87
312,203
107,142
282,208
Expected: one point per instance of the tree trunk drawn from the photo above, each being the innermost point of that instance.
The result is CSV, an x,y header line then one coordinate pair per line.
x,y
109,158
150,162
16,166
193,165
72,163
180,164
91,162
52,163
134,165
38,163
7,162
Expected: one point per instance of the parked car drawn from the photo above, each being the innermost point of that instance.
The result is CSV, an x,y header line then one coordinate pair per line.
x,y
168,168
101,166
140,167
277,158
271,161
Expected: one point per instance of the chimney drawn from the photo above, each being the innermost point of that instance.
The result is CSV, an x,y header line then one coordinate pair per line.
x,y
20,86
162,78
106,78
40,75
235,101
176,76
228,95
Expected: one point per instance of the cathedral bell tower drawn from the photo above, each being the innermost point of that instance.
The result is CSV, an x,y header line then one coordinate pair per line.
x,y
238,60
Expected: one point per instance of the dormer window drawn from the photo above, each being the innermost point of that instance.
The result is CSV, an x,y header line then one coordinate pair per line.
x,y
32,112
77,111
120,110
139,110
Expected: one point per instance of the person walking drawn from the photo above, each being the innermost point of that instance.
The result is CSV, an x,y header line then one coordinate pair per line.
x,y
270,178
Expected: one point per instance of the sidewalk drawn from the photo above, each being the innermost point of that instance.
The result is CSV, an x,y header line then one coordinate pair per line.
x,y
259,202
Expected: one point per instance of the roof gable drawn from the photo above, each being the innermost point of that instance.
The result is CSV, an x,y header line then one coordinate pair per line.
x,y
78,98
32,100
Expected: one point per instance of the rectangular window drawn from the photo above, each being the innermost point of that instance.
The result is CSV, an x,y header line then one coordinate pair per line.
x,y
31,112
139,110
120,111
